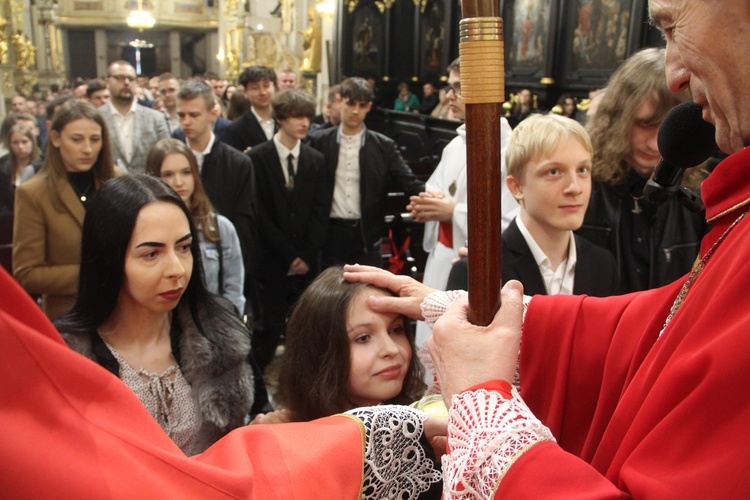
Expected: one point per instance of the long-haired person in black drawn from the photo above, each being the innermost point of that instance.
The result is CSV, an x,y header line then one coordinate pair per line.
x,y
144,313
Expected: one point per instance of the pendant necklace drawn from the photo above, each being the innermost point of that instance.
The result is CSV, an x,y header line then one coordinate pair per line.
x,y
696,271
636,206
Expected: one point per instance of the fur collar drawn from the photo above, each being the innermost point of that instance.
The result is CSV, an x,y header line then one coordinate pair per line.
x,y
215,365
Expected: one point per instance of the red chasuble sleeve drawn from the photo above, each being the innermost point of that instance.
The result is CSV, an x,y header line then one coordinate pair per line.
x,y
635,413
71,429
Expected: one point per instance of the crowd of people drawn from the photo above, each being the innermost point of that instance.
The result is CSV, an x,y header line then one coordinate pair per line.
x,y
177,251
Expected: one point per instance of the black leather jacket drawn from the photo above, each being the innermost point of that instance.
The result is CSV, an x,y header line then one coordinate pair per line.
x,y
674,234
381,167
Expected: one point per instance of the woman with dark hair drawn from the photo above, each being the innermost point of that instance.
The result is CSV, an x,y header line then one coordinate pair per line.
x,y
143,313
174,163
49,208
340,354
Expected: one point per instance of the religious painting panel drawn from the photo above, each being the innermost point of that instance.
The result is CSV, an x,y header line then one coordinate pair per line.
x,y
530,32
599,35
435,38
366,33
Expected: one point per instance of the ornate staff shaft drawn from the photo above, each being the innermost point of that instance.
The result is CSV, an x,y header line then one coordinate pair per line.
x,y
483,91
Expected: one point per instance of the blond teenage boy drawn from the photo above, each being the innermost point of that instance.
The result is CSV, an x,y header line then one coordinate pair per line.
x,y
549,174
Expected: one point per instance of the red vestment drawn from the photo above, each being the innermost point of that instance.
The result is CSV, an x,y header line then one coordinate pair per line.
x,y
73,430
636,414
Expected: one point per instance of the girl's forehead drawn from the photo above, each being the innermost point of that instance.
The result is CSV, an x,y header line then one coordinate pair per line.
x,y
361,295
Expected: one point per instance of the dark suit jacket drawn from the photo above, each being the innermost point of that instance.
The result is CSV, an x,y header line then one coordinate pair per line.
x,y
245,132
595,268
292,224
229,181
219,128
381,167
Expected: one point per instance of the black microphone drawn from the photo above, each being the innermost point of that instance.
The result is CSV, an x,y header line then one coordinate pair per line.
x,y
685,140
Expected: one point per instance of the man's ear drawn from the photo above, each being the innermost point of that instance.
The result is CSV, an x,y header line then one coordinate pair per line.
x,y
515,188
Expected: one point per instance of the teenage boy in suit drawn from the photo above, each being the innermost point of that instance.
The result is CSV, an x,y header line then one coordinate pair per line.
x,y
549,174
257,125
227,174
361,166
294,200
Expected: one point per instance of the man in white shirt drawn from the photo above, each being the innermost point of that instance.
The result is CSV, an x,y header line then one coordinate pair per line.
x,y
361,164
133,128
549,174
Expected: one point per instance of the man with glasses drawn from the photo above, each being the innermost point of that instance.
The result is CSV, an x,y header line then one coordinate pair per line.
x,y
443,207
133,128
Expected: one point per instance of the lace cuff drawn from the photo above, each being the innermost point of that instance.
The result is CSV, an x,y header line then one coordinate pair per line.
x,y
435,304
395,463
486,434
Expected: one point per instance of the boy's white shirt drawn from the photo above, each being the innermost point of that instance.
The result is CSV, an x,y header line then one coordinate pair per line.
x,y
556,281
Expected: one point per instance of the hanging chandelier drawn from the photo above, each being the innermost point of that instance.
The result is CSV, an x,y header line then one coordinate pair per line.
x,y
140,19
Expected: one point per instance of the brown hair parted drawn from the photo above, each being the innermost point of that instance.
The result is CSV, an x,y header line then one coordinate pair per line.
x,y
356,89
641,78
314,376
53,167
293,103
200,207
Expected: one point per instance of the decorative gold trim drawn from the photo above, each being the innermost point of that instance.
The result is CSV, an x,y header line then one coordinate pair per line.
x,y
729,210
351,5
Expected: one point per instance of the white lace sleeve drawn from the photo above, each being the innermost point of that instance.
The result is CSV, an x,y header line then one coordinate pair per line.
x,y
486,434
396,465
435,304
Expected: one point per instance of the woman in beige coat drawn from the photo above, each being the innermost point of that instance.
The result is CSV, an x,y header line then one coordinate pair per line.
x,y
50,207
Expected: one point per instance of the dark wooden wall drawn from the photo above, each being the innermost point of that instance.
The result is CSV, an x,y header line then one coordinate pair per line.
x,y
551,46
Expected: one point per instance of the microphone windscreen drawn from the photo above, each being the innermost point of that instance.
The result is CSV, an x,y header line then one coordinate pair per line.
x,y
685,139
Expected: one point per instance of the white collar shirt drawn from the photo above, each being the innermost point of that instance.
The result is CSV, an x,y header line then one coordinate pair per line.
x,y
556,281
284,153
267,125
125,128
346,190
201,155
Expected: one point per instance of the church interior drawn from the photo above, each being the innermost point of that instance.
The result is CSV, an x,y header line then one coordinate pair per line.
x,y
554,51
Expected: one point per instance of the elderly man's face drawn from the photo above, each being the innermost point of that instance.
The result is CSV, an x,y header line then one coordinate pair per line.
x,y
698,57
